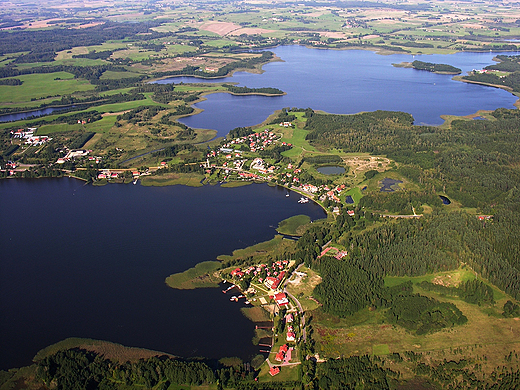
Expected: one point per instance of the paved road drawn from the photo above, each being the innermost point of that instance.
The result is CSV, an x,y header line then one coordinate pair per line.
x,y
304,332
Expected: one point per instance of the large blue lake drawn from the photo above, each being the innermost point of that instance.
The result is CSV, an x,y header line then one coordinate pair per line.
x,y
347,82
84,261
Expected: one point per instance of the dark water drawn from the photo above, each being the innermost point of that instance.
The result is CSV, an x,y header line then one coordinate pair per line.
x,y
445,200
28,114
347,82
349,200
83,261
332,170
389,185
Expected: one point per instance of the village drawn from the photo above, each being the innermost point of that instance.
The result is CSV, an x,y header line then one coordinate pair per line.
x,y
238,160
263,285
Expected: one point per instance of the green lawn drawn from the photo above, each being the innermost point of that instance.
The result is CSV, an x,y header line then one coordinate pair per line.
x,y
290,225
36,86
355,193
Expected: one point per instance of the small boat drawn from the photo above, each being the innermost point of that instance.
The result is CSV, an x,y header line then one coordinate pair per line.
x,y
303,200
135,181
287,195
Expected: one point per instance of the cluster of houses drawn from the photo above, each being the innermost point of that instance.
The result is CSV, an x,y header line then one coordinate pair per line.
x,y
259,165
29,137
73,154
273,282
10,166
255,142
259,169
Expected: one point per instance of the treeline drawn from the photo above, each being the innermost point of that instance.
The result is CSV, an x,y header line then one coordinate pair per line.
x,y
431,67
511,80
95,55
412,44
238,132
471,291
352,373
349,286
367,132
423,315
11,82
81,140
323,159
400,202
80,369
245,90
346,288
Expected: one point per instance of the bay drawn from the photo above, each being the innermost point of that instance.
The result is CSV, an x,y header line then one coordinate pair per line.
x,y
84,261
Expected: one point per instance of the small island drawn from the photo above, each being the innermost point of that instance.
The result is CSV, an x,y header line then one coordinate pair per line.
x,y
430,67
234,90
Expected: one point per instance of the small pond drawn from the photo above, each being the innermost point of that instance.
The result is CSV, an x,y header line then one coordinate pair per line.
x,y
389,185
331,170
349,200
444,199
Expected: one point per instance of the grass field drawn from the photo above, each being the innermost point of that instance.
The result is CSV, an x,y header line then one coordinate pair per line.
x,y
355,193
287,373
36,86
199,276
303,288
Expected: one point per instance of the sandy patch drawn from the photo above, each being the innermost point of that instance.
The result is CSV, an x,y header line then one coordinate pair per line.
x,y
220,28
250,31
367,163
371,36
332,34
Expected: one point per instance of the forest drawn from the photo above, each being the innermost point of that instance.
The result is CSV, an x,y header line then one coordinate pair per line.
x,y
245,90
430,67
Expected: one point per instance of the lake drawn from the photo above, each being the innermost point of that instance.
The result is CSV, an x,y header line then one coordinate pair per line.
x,y
85,261
31,114
348,82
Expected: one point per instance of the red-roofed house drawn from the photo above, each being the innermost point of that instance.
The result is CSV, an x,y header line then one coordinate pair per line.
x,y
274,370
281,299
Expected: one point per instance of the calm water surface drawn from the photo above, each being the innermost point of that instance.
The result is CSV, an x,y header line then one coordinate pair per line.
x,y
84,261
347,82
